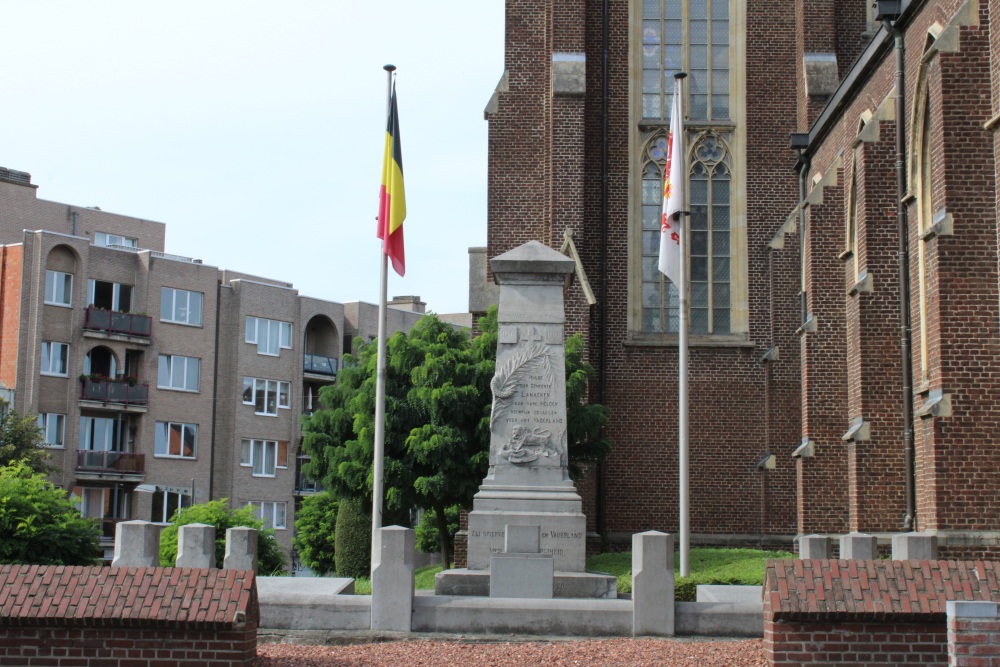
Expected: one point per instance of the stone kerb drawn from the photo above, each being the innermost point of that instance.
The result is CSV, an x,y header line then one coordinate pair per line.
x,y
973,634
392,580
137,544
196,545
652,584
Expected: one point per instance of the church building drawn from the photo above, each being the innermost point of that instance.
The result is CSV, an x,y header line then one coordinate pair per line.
x,y
843,255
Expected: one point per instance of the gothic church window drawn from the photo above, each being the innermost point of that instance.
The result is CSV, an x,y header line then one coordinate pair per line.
x,y
700,38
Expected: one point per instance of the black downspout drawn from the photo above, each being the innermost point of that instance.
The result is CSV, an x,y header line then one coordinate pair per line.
x,y
804,165
602,325
215,395
905,352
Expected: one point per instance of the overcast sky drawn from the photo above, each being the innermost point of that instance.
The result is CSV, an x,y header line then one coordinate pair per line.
x,y
255,129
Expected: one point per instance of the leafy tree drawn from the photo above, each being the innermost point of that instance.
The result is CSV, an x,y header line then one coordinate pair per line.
x,y
22,440
427,534
354,539
437,433
271,559
39,525
315,532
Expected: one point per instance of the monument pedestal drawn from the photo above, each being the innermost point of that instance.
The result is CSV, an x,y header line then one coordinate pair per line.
x,y
528,481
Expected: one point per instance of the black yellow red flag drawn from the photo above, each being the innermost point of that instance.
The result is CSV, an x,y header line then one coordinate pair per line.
x,y
392,198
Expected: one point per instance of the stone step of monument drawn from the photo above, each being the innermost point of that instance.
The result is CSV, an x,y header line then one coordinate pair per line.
x,y
564,585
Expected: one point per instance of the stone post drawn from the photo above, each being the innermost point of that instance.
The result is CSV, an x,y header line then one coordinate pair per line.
x,y
196,545
392,581
137,544
241,549
858,546
914,546
652,584
813,547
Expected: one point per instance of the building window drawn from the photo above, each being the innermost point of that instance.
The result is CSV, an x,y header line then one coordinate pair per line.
x,y
266,395
177,440
273,514
109,295
53,427
269,335
55,358
166,504
264,456
58,288
99,434
105,239
177,372
697,36
180,306
851,249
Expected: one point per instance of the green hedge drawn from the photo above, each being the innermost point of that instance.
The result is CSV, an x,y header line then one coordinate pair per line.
x,y
353,539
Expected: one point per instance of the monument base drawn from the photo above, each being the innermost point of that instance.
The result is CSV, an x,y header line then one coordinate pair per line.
x,y
563,534
564,584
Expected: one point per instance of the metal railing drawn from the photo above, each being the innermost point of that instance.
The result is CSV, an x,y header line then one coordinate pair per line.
x,y
314,363
107,390
122,463
132,324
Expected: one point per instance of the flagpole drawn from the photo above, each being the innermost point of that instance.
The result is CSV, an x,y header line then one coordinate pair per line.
x,y
682,399
379,454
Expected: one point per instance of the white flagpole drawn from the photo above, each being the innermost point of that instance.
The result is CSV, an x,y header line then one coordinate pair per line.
x,y
682,354
379,454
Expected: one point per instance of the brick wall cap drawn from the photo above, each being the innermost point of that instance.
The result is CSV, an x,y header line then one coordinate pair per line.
x,y
127,597
861,590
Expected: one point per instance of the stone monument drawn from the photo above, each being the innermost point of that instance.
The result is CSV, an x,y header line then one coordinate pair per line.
x,y
528,482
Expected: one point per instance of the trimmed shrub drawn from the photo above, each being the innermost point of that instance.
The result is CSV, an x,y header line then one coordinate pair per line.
x,y
271,559
353,542
315,531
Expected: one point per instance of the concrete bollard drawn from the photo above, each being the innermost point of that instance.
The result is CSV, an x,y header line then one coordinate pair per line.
x,y
392,580
241,549
914,546
196,545
652,584
858,546
137,544
812,547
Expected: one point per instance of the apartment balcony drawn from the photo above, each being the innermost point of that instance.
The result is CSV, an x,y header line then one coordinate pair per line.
x,y
303,485
123,466
121,395
101,323
319,367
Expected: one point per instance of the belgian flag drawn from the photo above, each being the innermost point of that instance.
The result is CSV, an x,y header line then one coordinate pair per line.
x,y
392,199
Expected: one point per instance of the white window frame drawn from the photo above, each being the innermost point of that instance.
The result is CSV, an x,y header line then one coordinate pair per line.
x,y
183,502
110,439
48,357
162,437
278,388
53,279
260,332
269,512
107,239
263,456
116,294
171,361
175,296
53,427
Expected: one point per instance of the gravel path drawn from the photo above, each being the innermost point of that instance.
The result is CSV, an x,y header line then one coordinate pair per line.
x,y
591,653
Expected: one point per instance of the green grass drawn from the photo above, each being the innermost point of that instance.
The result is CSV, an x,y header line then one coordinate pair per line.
x,y
424,577
708,566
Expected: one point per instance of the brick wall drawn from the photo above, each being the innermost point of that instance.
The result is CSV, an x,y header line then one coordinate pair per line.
x,y
11,258
127,617
973,634
829,612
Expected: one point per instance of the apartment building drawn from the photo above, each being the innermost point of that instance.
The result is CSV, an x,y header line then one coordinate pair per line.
x,y
161,381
